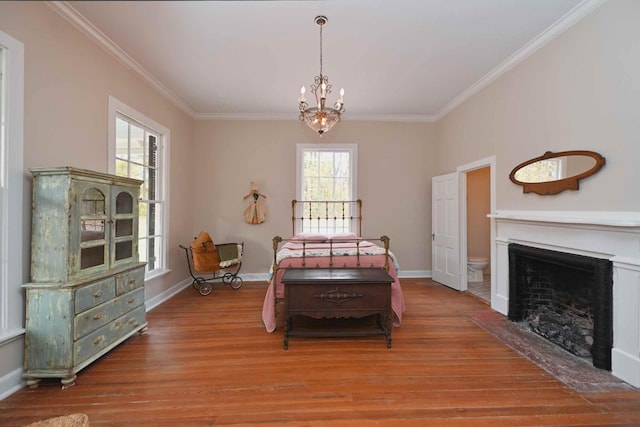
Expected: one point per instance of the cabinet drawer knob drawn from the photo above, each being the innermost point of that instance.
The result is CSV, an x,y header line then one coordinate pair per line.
x,y
97,316
131,301
97,294
132,281
98,340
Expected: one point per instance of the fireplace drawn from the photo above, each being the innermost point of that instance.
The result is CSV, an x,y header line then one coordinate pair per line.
x,y
603,235
564,297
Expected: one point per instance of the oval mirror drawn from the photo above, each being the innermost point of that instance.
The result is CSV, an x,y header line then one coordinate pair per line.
x,y
552,173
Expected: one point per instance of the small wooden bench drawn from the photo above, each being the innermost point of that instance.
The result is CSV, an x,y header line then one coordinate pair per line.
x,y
337,293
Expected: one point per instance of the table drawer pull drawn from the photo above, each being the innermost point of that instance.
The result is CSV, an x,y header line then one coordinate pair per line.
x,y
98,340
97,316
97,294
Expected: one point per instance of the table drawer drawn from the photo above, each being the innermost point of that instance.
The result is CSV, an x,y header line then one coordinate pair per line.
x,y
94,293
108,334
129,280
94,318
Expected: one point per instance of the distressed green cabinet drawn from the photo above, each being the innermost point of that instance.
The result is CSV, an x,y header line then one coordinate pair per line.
x,y
86,293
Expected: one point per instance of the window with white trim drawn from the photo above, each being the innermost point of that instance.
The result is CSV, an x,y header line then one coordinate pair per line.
x,y
326,172
13,263
137,146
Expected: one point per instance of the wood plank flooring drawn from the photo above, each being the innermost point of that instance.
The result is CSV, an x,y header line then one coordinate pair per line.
x,y
209,361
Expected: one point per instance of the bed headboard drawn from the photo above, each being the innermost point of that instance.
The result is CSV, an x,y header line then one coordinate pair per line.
x,y
326,216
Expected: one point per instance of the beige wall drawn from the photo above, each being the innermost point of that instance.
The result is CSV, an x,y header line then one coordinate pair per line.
x,y
580,91
68,80
478,206
394,181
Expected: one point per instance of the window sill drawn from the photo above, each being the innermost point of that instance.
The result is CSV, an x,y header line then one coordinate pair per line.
x,y
9,335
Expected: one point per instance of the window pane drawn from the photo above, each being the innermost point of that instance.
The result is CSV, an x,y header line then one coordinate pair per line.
x,y
122,139
142,251
137,145
122,168
137,172
143,222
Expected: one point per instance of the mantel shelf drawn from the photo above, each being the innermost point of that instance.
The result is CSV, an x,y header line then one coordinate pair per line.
x,y
597,218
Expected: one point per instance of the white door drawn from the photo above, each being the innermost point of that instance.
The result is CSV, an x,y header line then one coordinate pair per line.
x,y
445,238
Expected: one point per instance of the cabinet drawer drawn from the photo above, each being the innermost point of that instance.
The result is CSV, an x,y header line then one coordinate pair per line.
x,y
94,294
100,315
129,280
108,334
128,302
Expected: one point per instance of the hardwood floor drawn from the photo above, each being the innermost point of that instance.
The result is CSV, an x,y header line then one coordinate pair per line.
x,y
209,361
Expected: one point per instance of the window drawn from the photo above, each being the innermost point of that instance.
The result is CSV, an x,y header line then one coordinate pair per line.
x,y
13,267
137,144
326,172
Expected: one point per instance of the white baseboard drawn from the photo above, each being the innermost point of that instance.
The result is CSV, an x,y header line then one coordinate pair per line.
x,y
625,366
411,274
11,383
164,296
255,277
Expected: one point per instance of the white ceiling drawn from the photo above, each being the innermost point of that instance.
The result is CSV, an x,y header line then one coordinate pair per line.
x,y
397,60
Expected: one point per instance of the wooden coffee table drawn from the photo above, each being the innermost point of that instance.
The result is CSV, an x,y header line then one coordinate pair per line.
x,y
337,293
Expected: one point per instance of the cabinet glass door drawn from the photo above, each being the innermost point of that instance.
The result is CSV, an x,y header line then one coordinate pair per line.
x,y
93,229
125,235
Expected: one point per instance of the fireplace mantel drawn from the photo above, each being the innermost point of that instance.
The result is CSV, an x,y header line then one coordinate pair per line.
x,y
601,234
597,218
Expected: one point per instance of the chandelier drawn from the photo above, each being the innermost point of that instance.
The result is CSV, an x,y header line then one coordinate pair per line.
x,y
320,118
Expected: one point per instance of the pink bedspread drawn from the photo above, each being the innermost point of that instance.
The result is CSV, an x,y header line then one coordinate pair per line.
x,y
316,255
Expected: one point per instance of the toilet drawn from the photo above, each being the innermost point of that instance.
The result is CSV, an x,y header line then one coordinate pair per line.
x,y
475,265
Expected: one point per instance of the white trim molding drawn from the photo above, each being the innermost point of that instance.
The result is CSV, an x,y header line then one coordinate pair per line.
x,y
66,10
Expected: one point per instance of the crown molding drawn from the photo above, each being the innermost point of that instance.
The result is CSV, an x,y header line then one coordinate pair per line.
x,y
424,118
572,17
72,15
246,116
294,116
568,20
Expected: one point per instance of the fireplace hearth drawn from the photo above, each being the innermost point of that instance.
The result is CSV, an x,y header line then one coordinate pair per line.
x,y
565,298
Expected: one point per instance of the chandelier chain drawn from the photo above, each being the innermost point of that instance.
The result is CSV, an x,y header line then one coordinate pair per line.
x,y
321,49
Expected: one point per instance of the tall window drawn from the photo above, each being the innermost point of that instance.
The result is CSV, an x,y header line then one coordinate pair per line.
x,y
138,153
13,267
327,172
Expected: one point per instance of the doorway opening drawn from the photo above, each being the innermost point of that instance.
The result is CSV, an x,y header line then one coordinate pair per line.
x,y
477,241
478,232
